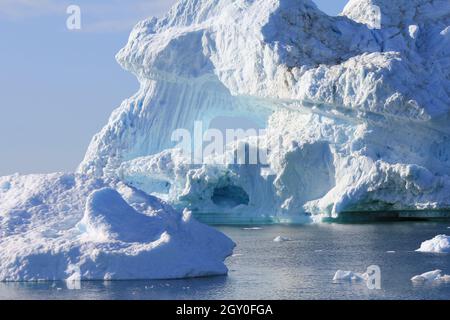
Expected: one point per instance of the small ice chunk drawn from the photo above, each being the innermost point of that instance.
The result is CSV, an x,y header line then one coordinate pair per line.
x,y
73,283
281,239
351,276
431,276
439,244
252,228
390,251
413,31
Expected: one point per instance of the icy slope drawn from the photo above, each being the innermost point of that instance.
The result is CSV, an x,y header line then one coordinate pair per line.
x,y
61,226
361,103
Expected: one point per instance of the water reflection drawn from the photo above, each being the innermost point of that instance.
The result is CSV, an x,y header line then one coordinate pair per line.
x,y
147,290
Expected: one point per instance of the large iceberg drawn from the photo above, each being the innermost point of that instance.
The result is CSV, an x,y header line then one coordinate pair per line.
x,y
355,107
355,110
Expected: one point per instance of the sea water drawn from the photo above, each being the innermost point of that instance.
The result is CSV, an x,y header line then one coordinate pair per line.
x,y
300,268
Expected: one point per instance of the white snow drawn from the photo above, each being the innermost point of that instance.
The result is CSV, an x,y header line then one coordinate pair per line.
x,y
68,226
439,244
361,100
435,276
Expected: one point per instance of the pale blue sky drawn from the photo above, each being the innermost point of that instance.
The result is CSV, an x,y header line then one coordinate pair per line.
x,y
57,87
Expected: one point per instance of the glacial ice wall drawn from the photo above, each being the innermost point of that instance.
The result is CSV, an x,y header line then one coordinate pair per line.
x,y
361,102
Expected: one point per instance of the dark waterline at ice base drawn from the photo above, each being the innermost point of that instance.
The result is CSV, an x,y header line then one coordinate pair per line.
x,y
302,268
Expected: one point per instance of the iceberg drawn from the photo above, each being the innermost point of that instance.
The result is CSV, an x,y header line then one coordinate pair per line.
x,y
281,239
355,109
349,276
439,244
435,276
69,226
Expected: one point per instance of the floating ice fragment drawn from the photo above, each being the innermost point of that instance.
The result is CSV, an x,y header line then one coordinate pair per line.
x,y
431,276
439,244
281,239
102,232
413,31
351,276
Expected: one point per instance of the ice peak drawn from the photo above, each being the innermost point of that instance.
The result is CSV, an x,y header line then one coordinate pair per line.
x,y
189,12
386,13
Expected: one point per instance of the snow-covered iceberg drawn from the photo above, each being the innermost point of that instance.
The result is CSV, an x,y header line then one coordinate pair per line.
x,y
439,244
69,226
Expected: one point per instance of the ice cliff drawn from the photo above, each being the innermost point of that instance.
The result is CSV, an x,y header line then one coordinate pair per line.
x,y
361,103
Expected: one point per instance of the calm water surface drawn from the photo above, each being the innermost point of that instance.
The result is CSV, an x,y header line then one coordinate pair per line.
x,y
299,269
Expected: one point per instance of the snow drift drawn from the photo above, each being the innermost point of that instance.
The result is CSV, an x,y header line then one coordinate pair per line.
x,y
360,101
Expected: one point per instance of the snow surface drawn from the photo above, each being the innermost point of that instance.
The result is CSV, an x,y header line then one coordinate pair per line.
x,y
439,244
435,276
68,226
361,102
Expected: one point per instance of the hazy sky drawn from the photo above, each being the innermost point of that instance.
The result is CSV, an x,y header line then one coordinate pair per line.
x,y
58,87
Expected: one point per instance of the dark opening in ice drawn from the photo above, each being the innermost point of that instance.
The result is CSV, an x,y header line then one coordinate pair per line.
x,y
230,196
